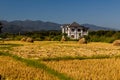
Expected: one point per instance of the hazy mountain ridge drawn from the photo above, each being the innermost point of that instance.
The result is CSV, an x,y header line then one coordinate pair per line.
x,y
93,27
29,25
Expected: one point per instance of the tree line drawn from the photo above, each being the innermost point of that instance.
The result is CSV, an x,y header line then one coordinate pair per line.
x,y
54,35
103,36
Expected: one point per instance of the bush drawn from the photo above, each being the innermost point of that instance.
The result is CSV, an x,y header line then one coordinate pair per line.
x,y
57,38
47,39
103,36
18,37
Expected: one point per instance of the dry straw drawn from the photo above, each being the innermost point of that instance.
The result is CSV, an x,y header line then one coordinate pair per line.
x,y
82,41
116,43
63,38
24,39
27,39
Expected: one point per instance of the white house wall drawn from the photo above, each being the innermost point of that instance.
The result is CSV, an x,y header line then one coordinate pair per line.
x,y
74,34
63,29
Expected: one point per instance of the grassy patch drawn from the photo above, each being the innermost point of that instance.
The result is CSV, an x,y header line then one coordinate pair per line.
x,y
63,58
8,46
100,56
77,57
11,45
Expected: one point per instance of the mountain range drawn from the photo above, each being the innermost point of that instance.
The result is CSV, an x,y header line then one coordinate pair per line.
x,y
29,25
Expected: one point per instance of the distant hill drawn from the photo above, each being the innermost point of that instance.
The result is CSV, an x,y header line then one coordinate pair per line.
x,y
29,25
95,28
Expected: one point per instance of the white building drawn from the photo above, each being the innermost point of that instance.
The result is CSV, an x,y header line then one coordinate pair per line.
x,y
74,30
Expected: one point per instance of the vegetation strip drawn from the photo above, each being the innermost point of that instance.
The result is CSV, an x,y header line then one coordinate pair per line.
x,y
37,64
78,57
9,46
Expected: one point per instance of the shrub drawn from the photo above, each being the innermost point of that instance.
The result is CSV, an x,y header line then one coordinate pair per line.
x,y
18,37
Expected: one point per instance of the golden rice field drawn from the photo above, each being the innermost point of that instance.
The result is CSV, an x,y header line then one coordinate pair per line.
x,y
51,49
87,69
104,69
11,69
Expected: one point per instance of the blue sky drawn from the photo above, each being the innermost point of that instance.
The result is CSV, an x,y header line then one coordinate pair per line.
x,y
99,12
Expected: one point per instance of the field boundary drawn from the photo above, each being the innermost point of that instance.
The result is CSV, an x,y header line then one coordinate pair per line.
x,y
77,57
100,56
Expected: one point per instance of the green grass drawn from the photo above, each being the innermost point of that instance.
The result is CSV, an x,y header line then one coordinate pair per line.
x,y
11,45
62,58
8,46
77,57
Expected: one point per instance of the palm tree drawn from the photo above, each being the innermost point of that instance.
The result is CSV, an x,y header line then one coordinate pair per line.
x,y
1,26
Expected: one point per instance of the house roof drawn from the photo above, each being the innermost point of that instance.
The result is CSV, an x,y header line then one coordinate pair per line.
x,y
64,25
74,24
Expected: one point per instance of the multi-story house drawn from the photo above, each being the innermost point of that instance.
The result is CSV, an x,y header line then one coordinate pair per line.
x,y
74,30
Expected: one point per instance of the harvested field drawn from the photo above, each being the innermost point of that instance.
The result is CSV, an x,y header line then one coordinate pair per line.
x,y
95,69
60,61
48,49
11,69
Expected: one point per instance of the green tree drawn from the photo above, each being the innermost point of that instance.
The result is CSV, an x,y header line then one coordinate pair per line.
x,y
109,33
116,35
1,26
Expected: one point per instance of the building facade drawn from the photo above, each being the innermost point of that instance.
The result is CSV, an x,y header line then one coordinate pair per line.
x,y
74,30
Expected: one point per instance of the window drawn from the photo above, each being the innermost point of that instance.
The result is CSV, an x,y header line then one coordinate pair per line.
x,y
72,36
79,30
72,30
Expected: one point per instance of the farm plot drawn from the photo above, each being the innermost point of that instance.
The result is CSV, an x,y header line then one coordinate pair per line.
x,y
63,59
11,69
46,49
93,69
